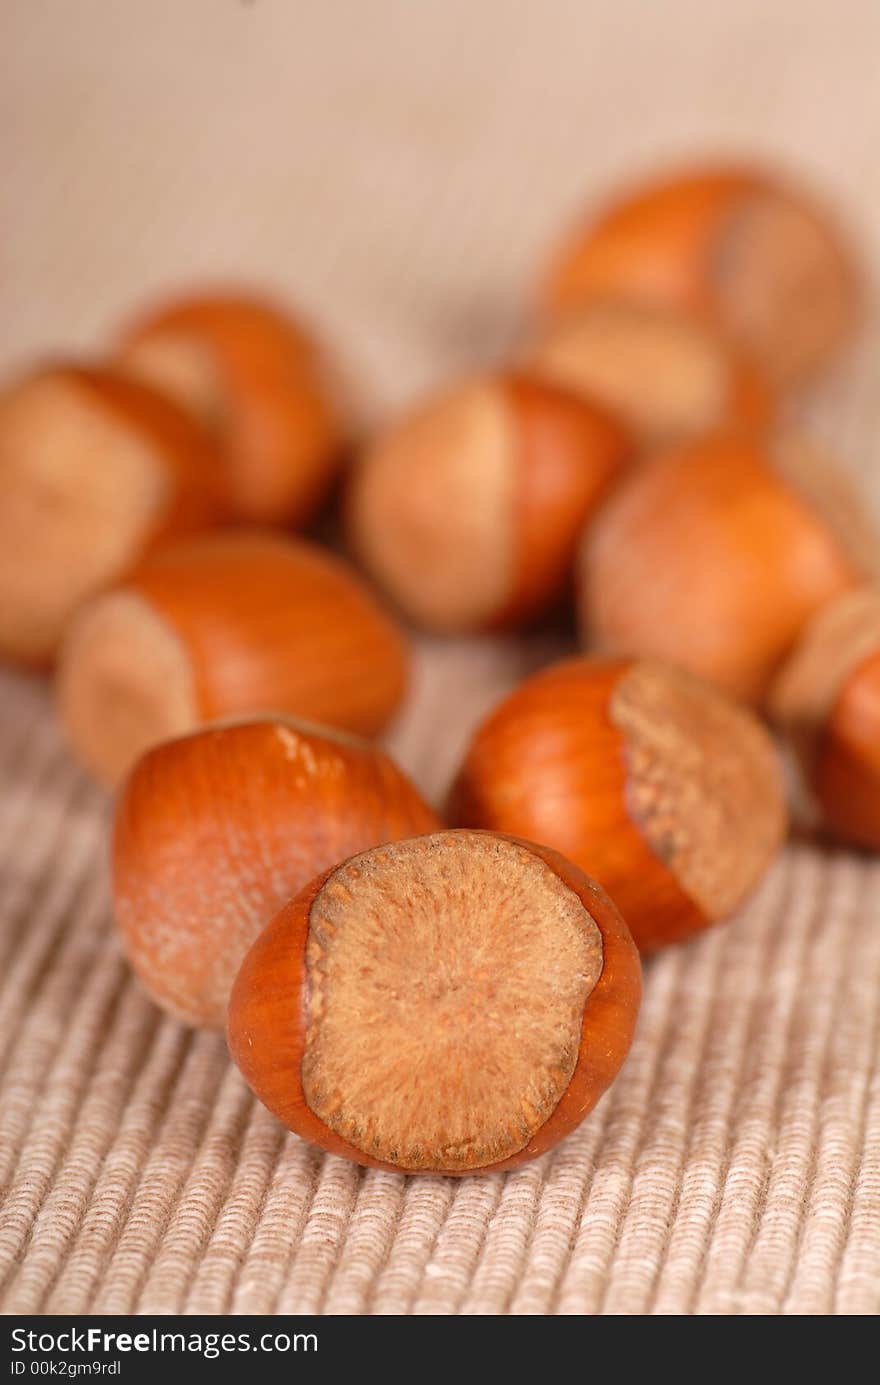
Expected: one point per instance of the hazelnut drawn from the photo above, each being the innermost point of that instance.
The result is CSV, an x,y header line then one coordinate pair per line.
x,y
714,556
453,1004
94,468
468,511
215,831
827,698
253,375
667,376
226,625
734,246
654,783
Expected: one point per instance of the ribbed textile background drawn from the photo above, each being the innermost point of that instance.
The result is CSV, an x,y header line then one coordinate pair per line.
x,y
400,169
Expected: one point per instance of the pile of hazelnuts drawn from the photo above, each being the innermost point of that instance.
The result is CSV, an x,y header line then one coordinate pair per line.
x,y
454,996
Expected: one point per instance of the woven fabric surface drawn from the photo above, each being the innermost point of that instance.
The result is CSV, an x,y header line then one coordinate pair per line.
x,y
400,170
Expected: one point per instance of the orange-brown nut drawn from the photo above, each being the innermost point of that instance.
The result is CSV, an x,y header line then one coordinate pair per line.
x,y
227,625
827,699
454,1004
716,555
94,468
733,246
215,831
654,783
668,376
468,512
253,375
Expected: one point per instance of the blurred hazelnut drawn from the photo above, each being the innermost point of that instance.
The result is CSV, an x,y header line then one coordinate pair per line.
x,y
228,625
468,511
252,375
733,245
714,556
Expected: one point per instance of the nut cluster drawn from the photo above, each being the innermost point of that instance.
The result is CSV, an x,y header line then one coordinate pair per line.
x,y
454,996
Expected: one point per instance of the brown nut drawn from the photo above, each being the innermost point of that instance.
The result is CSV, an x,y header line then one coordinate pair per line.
x,y
734,246
94,469
827,699
715,556
654,783
215,831
452,1004
667,376
252,375
228,625
468,512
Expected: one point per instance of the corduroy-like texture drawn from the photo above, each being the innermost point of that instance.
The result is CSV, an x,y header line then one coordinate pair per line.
x,y
400,169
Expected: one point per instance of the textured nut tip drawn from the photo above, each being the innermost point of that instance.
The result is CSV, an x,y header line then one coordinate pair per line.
x,y
704,783
657,786
466,998
214,831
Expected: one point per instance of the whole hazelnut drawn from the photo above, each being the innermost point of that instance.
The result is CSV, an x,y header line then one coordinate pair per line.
x,y
468,511
714,556
451,1004
227,625
215,831
94,469
254,376
667,376
826,698
654,783
735,246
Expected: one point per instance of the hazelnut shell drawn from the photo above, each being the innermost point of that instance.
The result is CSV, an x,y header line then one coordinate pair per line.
x,y
214,831
229,625
254,376
272,1020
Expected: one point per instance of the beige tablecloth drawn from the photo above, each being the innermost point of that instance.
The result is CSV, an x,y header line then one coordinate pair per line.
x,y
400,169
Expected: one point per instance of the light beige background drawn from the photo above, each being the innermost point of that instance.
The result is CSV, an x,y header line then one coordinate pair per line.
x,y
400,170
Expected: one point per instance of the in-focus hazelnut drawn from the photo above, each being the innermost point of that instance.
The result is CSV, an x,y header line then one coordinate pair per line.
x,y
227,625
215,831
468,512
732,245
94,468
715,556
654,783
254,376
452,1004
